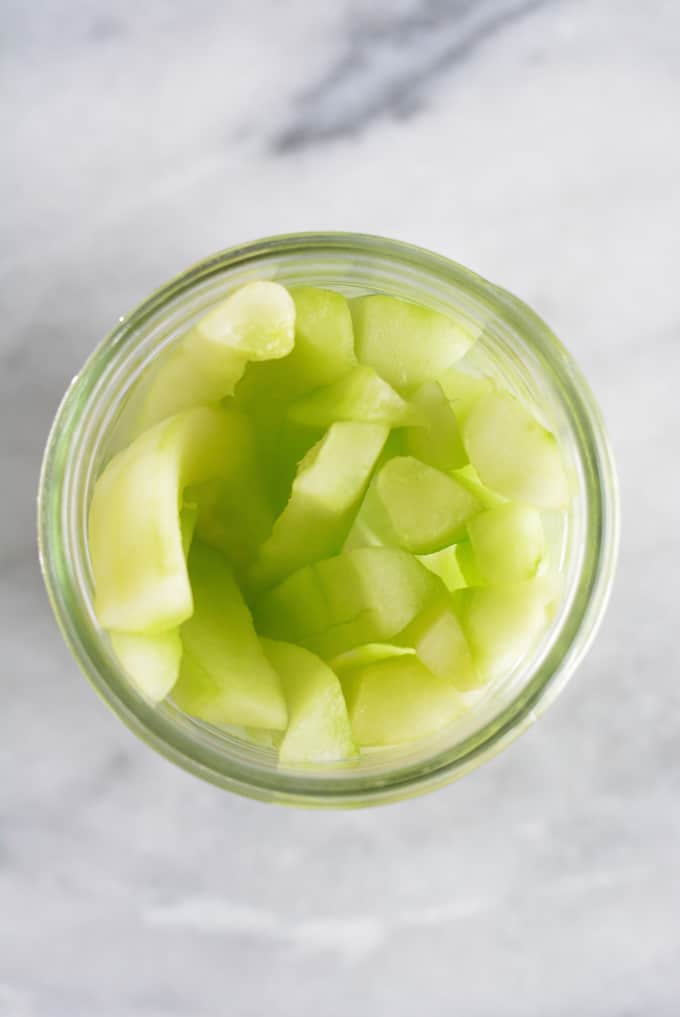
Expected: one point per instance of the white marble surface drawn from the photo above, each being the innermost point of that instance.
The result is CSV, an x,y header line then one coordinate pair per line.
x,y
534,141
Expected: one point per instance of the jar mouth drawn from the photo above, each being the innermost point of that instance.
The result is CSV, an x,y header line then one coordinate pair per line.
x,y
353,263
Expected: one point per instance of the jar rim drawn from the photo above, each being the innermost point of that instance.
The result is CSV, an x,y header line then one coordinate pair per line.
x,y
577,629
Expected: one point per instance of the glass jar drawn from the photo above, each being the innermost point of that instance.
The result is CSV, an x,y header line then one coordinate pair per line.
x,y
515,344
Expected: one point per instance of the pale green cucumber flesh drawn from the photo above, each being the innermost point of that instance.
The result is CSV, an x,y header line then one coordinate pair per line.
x,y
256,322
407,343
228,679
361,395
468,564
463,390
324,338
368,653
513,453
503,623
323,352
444,564
361,596
318,726
470,479
398,700
439,641
325,496
151,662
234,511
508,543
426,509
135,535
437,440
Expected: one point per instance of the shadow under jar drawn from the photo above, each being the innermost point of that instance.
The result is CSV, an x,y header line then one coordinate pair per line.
x,y
515,346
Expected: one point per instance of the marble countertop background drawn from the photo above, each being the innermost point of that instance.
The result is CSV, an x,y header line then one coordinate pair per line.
x,y
536,141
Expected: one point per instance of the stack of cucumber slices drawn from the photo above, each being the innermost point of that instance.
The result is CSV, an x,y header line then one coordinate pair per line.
x,y
320,531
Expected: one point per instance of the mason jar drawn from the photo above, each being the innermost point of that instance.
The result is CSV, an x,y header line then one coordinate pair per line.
x,y
515,345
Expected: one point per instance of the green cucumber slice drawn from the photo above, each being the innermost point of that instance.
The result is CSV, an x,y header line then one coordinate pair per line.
x,y
407,343
468,565
439,641
508,543
361,596
256,322
234,511
444,564
234,516
502,623
326,493
151,662
417,507
437,440
398,700
323,352
225,677
369,653
135,536
361,394
513,453
188,517
324,338
318,726
469,478
463,390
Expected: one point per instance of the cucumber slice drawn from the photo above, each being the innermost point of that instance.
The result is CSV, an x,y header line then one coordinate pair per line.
x,y
513,453
426,509
439,641
234,516
135,538
398,700
318,726
468,565
323,352
234,510
151,662
502,623
371,527
361,394
326,493
225,676
188,518
294,442
406,343
437,441
463,390
361,596
444,564
469,478
324,338
369,653
508,542
256,322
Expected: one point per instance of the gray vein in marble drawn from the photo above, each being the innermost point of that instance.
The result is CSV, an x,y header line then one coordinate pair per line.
x,y
389,65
